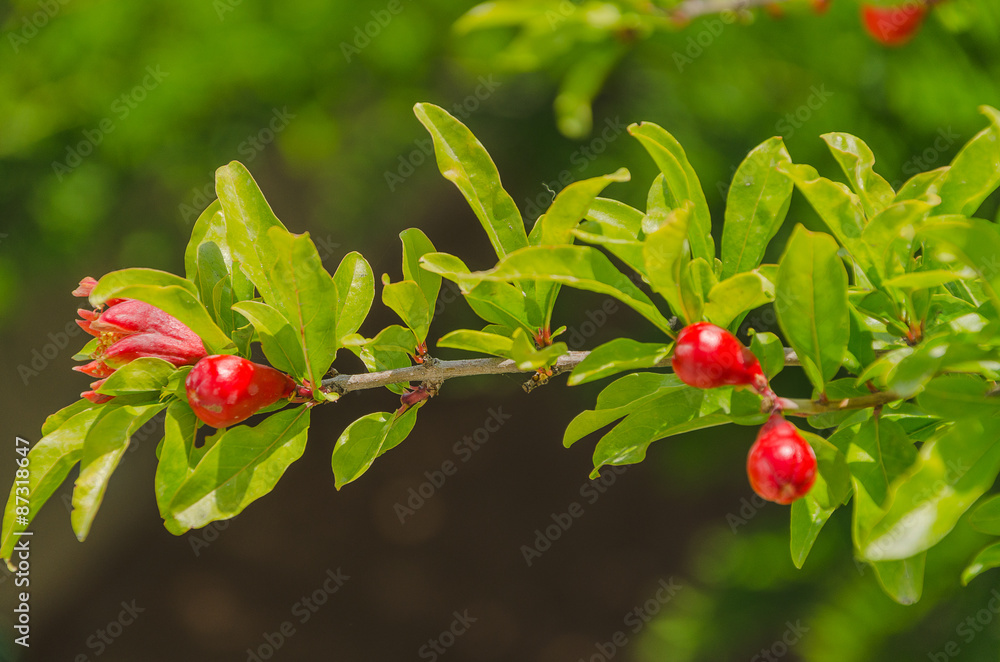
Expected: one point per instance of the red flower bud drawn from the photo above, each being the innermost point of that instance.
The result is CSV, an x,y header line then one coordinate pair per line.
x,y
893,26
225,390
708,356
94,396
781,465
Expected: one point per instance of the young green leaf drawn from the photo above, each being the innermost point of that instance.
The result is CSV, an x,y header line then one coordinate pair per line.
x,y
811,303
616,356
664,254
305,294
477,341
682,181
464,161
987,559
902,580
367,438
971,241
857,161
137,376
620,220
407,300
244,464
103,448
839,208
756,206
975,172
730,299
808,518
571,206
356,288
249,221
176,461
278,338
986,517
415,246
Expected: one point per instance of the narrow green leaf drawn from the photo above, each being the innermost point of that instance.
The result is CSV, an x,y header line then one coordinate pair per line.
x,y
278,338
242,466
682,181
986,559
356,288
664,253
952,471
887,239
176,464
495,302
807,520
415,246
833,481
770,351
50,461
839,208
902,580
616,356
619,398
464,161
56,420
305,294
172,294
209,226
249,220
878,453
857,161
970,241
954,397
137,376
811,303
527,357
571,206
922,186
581,267
623,221
103,448
756,206
477,341
975,172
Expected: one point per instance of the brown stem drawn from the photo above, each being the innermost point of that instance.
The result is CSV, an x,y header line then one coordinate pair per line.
x,y
793,407
437,371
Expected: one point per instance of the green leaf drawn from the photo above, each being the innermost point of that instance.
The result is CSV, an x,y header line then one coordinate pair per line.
x,y
975,172
477,341
210,226
922,280
682,181
877,455
581,267
756,206
807,520
304,292
971,241
922,186
415,246
730,299
242,466
833,482
50,461
55,421
581,83
664,253
407,300
619,219
986,559
177,461
496,302
171,294
902,580
527,357
618,399
839,208
356,288
954,397
464,161
137,376
103,448
952,471
367,438
888,237
811,303
571,205
616,356
249,221
986,517
278,338
857,161
770,351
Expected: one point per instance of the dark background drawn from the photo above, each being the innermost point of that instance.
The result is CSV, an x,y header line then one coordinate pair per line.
x,y
684,517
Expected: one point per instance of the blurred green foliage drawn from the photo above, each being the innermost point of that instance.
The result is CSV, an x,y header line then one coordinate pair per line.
x,y
115,115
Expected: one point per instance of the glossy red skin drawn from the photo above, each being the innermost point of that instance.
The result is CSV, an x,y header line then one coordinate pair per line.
x,y
893,26
781,465
708,356
225,390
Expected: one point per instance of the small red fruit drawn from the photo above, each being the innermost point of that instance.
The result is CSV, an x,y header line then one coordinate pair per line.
x,y
224,390
707,356
893,26
781,465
